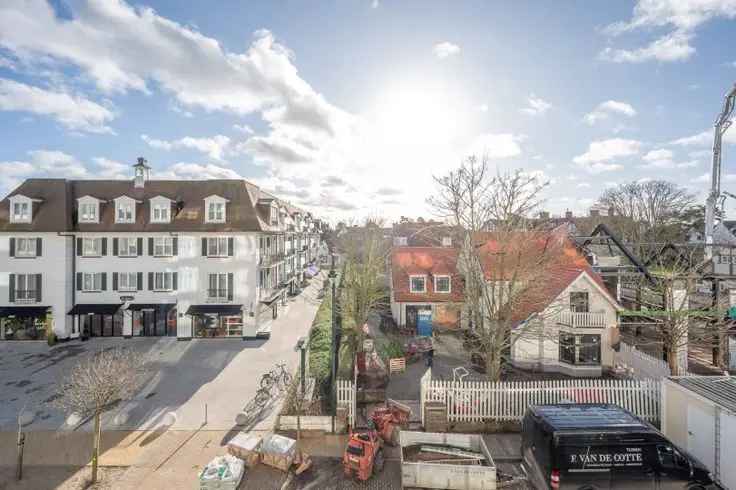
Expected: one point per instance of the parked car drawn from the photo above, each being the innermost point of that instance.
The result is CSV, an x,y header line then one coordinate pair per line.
x,y
602,446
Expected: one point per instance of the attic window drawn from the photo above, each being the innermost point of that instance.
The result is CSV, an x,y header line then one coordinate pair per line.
x,y
216,212
125,211
21,212
88,212
418,284
274,218
161,212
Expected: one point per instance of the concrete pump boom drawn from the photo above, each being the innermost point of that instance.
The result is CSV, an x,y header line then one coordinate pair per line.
x,y
723,122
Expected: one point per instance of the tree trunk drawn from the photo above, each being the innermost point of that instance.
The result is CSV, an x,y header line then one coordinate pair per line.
x,y
493,363
96,445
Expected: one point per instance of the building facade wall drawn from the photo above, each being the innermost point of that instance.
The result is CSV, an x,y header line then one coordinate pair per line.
x,y
54,265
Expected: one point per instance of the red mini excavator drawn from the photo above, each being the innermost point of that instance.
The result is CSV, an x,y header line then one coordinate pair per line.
x,y
363,455
389,419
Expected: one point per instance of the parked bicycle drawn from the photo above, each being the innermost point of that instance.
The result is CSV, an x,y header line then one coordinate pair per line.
x,y
278,376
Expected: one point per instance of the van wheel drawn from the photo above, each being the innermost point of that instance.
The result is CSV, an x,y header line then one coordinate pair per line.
x,y
378,462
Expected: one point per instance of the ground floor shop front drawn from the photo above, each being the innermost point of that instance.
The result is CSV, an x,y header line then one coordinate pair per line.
x,y
24,322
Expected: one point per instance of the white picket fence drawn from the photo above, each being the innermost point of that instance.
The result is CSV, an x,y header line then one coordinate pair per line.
x,y
639,364
478,401
346,395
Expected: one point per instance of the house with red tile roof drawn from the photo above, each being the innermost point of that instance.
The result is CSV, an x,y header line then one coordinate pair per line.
x,y
566,320
426,288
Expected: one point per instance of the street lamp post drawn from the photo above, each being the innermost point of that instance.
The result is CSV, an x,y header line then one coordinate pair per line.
x,y
333,346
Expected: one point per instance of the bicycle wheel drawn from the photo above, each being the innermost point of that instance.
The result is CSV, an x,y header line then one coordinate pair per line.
x,y
262,397
267,381
286,378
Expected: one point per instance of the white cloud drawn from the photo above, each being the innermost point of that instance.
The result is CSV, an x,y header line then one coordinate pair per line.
x,y
72,111
536,106
688,164
583,185
375,4
445,49
483,108
681,17
501,145
215,147
58,163
605,109
661,158
703,178
111,169
196,171
701,139
600,153
243,128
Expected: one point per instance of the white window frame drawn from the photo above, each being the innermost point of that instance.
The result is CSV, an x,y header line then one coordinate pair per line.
x,y
25,247
400,241
411,283
95,250
21,211
449,283
130,243
274,216
125,211
29,286
216,212
91,282
165,244
162,206
447,241
160,281
127,281
220,283
217,246
88,210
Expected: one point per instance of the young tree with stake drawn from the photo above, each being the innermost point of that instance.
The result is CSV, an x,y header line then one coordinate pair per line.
x,y
96,383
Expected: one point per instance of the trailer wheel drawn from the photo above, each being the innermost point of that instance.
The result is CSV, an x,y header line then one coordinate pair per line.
x,y
378,462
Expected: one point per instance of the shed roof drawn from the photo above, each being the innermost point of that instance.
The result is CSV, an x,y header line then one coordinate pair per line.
x,y
718,389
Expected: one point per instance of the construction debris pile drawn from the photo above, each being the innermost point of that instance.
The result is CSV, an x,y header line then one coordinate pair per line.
x,y
436,454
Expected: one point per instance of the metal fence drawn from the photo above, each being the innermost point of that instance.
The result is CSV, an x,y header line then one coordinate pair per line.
x,y
479,401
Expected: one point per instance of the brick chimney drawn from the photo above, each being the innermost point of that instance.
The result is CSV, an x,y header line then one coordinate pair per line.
x,y
568,214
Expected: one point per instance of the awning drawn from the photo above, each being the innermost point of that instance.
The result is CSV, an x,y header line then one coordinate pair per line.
x,y
151,306
223,310
23,311
98,309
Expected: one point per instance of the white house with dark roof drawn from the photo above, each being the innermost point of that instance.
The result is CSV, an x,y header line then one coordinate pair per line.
x,y
142,257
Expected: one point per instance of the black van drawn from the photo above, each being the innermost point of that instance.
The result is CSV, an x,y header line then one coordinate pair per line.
x,y
600,446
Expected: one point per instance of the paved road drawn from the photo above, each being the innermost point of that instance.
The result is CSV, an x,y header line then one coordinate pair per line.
x,y
221,373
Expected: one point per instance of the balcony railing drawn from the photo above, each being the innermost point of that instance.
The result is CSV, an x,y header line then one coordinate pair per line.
x,y
583,319
267,260
218,296
25,296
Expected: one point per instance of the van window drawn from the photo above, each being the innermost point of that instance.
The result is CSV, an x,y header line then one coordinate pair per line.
x,y
671,458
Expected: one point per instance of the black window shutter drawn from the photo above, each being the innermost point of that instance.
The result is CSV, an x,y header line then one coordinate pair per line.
x,y
11,288
139,246
150,281
39,247
79,281
104,281
175,245
230,286
114,281
175,280
12,247
104,246
39,284
150,245
115,248
204,247
79,246
139,279
230,246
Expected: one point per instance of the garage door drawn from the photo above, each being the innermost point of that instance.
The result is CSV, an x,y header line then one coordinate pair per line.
x,y
701,434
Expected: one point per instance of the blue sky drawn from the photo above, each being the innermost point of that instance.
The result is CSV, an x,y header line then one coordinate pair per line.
x,y
349,107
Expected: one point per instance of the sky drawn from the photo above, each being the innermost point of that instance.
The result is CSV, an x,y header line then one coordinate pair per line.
x,y
349,108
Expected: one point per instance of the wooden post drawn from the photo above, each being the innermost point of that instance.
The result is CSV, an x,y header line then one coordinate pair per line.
x,y
21,443
96,446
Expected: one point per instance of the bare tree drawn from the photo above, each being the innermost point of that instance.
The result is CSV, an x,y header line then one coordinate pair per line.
x,y
502,259
96,383
648,211
364,251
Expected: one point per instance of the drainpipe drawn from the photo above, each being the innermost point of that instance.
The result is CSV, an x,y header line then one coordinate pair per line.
x,y
74,272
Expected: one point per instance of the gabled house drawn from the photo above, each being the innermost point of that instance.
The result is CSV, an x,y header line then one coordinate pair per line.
x,y
426,289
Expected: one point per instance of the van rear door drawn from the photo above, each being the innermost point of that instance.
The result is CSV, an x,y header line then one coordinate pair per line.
x,y
606,466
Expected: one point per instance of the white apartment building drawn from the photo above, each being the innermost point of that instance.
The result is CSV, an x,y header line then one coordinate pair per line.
x,y
143,257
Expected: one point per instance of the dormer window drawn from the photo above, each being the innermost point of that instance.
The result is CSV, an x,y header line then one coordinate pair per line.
x,y
274,219
88,212
160,210
215,209
125,210
21,212
21,209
